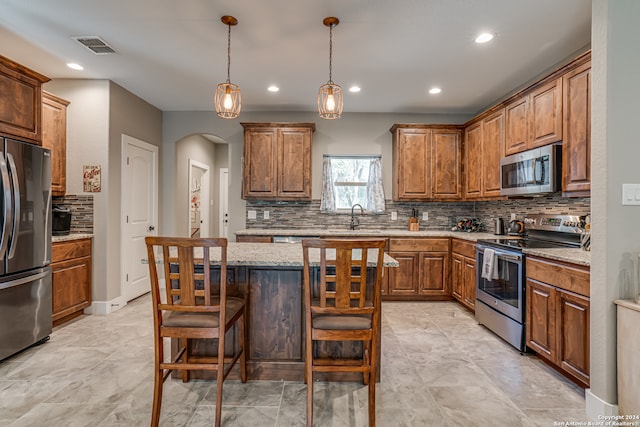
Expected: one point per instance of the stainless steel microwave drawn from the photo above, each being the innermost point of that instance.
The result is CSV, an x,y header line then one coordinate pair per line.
x,y
532,172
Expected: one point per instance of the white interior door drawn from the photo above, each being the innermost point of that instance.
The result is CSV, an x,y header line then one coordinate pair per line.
x,y
139,189
224,202
199,199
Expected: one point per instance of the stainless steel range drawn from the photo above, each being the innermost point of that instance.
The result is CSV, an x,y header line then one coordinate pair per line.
x,y
500,281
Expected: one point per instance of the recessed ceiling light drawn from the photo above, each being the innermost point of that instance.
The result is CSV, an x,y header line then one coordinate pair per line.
x,y
273,88
484,37
435,90
354,89
75,66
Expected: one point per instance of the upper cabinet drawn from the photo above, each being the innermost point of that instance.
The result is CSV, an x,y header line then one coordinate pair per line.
x,y
534,119
427,162
484,142
576,144
20,101
54,137
277,161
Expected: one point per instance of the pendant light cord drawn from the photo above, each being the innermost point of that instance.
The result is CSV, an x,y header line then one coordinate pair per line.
x,y
330,52
229,55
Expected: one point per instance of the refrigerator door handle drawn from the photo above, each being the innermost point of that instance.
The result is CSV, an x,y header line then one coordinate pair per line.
x,y
7,217
16,207
23,280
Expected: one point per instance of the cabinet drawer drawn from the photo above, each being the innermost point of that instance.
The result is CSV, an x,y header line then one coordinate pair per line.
x,y
463,247
566,276
419,245
61,251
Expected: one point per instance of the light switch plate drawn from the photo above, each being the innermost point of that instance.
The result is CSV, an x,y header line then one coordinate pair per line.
x,y
266,215
251,214
425,216
631,194
394,216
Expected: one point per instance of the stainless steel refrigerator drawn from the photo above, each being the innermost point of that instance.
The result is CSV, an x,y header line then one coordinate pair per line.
x,y
25,245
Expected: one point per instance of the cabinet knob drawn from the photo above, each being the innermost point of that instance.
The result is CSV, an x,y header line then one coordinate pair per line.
x,y
151,228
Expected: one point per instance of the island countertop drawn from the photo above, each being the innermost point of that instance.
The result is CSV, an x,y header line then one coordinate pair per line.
x,y
277,255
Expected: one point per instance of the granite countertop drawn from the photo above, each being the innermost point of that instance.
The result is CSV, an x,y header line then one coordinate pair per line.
x,y
73,236
318,232
277,255
576,256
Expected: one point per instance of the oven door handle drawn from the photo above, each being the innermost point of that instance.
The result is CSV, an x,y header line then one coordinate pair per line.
x,y
509,257
504,255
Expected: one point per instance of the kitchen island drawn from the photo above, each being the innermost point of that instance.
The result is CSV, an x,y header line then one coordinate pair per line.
x,y
270,275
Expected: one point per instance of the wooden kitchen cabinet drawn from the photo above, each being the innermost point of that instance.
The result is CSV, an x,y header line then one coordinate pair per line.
x,y
424,268
277,161
516,126
254,239
54,137
463,272
427,162
576,143
484,142
557,315
534,119
71,278
20,101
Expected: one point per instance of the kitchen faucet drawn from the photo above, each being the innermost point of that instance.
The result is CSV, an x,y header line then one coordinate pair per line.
x,y
355,223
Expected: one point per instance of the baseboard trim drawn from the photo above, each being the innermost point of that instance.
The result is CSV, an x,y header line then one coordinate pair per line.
x,y
597,408
107,307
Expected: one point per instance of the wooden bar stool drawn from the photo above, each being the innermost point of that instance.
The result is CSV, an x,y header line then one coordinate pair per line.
x,y
344,306
191,312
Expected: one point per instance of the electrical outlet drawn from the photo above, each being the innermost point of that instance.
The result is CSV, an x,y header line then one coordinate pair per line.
x,y
513,216
394,216
425,216
251,214
266,215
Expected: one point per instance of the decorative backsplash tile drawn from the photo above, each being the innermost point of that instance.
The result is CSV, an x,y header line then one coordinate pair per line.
x,y
442,215
81,206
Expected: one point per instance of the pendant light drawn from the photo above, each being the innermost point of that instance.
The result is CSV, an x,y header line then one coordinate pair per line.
x,y
330,94
227,99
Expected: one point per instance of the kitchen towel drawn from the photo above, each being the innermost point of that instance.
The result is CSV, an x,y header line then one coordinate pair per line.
x,y
489,264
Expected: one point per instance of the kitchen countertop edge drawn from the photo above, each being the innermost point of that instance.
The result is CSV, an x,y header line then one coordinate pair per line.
x,y
70,237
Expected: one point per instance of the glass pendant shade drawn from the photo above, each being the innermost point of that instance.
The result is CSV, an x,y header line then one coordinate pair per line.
x,y
227,100
330,94
330,101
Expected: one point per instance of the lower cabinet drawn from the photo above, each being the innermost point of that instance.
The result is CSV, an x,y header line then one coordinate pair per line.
x,y
71,278
463,272
557,315
423,273
254,239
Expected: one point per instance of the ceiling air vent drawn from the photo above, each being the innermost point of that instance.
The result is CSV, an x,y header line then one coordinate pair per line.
x,y
95,44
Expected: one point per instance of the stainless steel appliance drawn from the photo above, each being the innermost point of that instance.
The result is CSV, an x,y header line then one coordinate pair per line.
x,y
536,171
500,297
25,245
498,226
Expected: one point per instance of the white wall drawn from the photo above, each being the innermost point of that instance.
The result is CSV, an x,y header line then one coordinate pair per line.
x,y
615,150
354,133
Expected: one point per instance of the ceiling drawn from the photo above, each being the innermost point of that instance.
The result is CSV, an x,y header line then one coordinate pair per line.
x,y
173,53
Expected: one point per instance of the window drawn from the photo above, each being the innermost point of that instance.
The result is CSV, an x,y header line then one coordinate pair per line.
x,y
352,180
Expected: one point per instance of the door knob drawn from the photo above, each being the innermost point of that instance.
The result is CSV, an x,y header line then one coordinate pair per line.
x,y
151,228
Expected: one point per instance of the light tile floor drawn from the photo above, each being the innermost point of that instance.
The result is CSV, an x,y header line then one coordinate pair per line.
x,y
439,368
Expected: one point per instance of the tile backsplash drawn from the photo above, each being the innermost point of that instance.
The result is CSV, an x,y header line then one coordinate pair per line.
x,y
442,215
81,206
